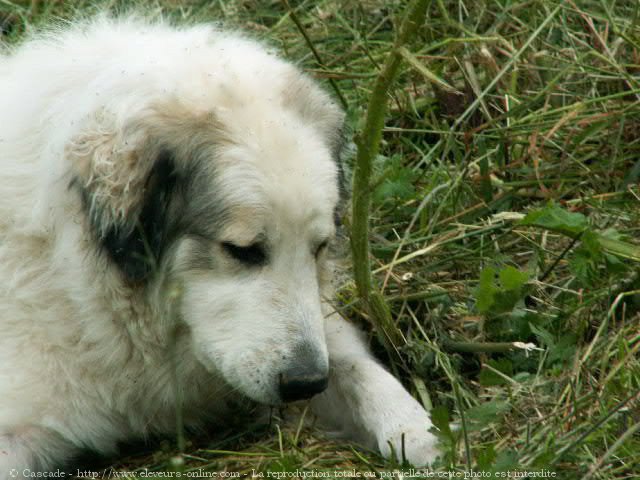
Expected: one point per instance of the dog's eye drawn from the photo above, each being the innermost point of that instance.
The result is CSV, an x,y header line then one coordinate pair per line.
x,y
253,254
321,248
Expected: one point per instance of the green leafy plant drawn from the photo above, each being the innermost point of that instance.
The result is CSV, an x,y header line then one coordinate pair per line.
x,y
499,291
599,253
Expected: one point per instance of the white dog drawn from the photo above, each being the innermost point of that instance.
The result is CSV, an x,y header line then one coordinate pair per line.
x,y
167,198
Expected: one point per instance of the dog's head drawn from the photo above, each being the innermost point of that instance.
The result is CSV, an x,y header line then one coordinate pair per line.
x,y
230,199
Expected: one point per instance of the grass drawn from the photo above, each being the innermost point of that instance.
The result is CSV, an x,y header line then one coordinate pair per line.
x,y
505,208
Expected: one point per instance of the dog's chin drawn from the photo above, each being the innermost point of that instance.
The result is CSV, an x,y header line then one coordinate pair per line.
x,y
265,397
269,399
243,397
248,389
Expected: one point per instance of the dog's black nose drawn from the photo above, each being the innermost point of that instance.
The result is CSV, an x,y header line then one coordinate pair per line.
x,y
299,383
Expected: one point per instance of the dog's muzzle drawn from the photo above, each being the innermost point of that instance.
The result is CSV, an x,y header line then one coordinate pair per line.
x,y
303,379
295,385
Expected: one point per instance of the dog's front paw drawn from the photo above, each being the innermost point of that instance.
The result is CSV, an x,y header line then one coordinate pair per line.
x,y
413,443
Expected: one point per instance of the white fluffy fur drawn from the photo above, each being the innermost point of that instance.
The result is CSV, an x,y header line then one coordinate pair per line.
x,y
85,355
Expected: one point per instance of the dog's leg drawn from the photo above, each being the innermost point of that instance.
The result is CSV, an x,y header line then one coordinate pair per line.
x,y
366,402
30,450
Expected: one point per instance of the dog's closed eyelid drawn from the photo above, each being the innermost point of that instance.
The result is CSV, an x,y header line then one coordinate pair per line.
x,y
321,247
253,254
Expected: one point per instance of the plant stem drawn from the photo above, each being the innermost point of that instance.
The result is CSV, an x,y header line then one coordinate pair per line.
x,y
368,142
480,347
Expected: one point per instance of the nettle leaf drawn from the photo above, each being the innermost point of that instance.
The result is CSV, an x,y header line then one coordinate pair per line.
x,y
572,224
485,457
399,187
506,461
485,294
591,261
553,217
489,378
564,349
513,279
441,420
397,183
483,415
560,349
500,295
585,259
441,428
615,264
543,335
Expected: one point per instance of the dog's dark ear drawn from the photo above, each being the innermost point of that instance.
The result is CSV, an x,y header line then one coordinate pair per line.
x,y
129,186
138,250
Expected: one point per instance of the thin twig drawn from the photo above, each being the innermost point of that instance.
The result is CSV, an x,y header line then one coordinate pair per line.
x,y
555,263
315,53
